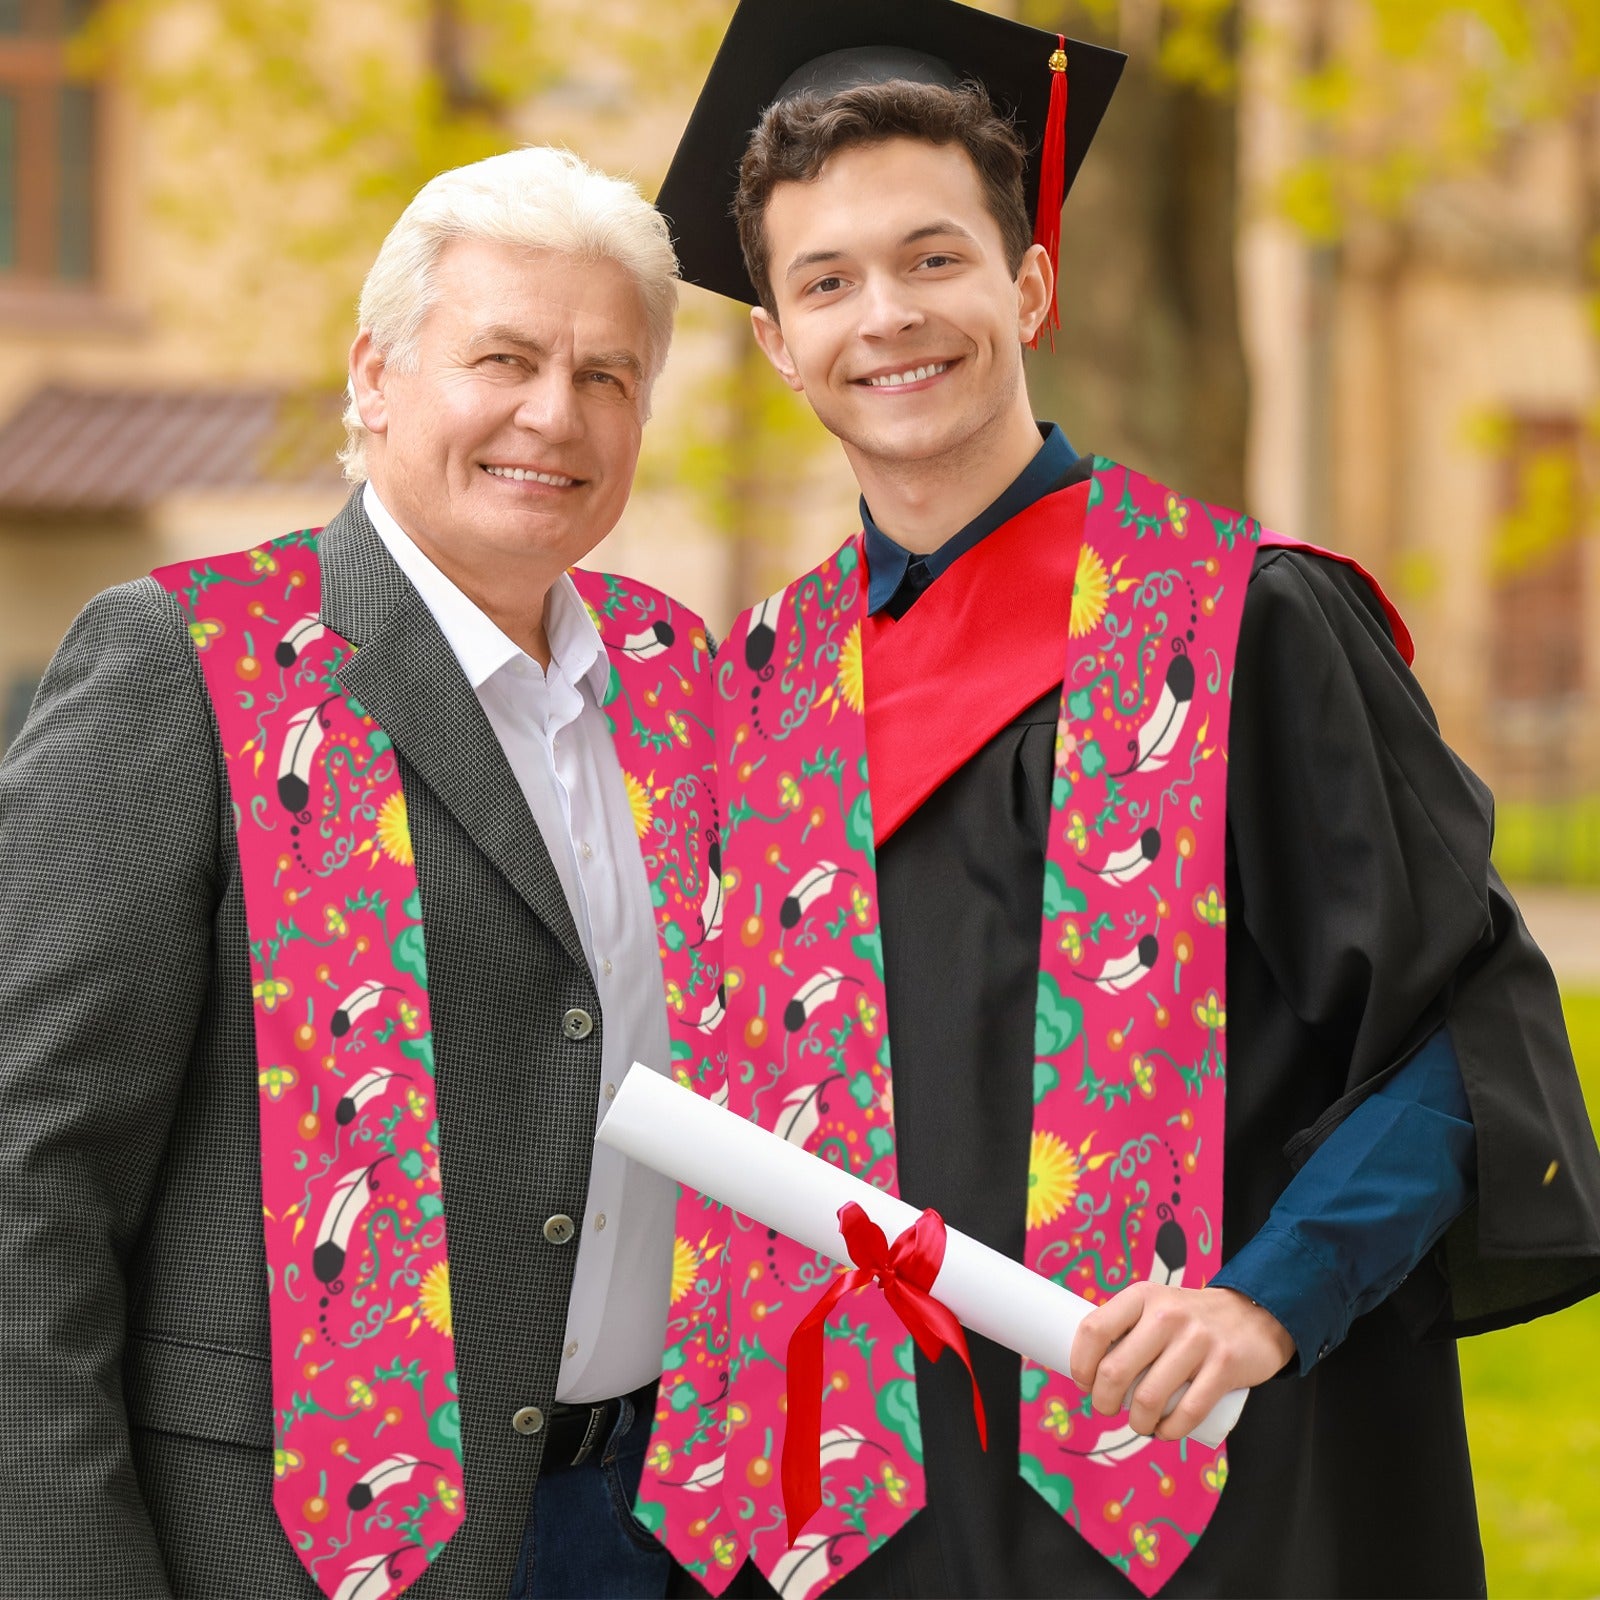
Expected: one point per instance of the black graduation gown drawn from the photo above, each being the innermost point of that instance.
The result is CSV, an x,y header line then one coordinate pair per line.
x,y
1362,911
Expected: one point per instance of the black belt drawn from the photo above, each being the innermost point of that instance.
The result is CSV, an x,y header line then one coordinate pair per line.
x,y
573,1433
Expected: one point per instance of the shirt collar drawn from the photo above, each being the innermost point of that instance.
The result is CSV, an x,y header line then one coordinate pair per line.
x,y
888,563
478,642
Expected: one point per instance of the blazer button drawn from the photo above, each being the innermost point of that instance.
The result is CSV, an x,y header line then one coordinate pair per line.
x,y
577,1024
559,1229
530,1419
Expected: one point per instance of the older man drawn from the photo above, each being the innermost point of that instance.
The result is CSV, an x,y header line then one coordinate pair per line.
x,y
336,901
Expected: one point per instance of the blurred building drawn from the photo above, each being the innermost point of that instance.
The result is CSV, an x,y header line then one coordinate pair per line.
x,y
161,399
1423,393
1426,396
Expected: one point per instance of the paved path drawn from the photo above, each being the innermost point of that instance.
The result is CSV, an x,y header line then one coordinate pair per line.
x,y
1566,922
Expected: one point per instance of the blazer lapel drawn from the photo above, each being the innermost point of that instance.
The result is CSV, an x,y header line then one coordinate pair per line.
x,y
405,673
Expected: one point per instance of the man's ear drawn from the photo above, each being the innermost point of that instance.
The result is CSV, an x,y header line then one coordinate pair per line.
x,y
1036,282
774,347
367,372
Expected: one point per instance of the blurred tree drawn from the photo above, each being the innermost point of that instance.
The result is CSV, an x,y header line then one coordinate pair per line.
x,y
1409,103
293,133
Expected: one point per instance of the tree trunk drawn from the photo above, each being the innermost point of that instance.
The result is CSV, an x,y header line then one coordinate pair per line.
x,y
1148,367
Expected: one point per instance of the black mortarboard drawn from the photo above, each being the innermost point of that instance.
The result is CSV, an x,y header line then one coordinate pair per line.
x,y
777,48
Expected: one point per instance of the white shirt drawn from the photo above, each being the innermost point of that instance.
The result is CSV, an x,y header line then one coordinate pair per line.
x,y
554,735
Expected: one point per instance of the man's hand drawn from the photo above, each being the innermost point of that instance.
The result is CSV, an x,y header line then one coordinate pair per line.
x,y
1212,1339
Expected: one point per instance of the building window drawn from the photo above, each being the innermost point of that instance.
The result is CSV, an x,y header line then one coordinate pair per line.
x,y
47,147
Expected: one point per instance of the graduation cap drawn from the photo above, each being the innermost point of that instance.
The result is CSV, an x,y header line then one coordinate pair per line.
x,y
1055,91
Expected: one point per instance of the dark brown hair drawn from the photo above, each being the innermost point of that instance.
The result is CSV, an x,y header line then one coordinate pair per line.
x,y
796,137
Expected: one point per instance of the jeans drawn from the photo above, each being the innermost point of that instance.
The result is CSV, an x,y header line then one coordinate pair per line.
x,y
581,1542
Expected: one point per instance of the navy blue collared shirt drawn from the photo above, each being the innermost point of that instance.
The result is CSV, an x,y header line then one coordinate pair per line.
x,y
1380,1191
898,577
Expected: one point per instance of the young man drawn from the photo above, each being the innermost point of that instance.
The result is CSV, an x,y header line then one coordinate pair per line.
x,y
333,912
1071,786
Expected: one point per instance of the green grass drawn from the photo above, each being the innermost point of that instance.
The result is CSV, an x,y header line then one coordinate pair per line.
x,y
1533,1415
1548,842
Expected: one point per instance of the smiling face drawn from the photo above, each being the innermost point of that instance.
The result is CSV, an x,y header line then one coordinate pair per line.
x,y
898,315
510,446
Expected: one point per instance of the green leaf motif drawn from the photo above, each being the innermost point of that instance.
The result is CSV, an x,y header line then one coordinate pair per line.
x,y
861,1090
1057,1019
1059,897
858,825
409,954
1033,1381
413,905
684,1396
1056,1489
419,1050
650,1515
1045,1078
869,946
897,1410
444,1427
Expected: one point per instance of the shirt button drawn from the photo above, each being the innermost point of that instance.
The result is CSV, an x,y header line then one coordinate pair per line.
x,y
588,850
530,1419
571,1350
600,1222
605,967
559,1229
577,1023
611,1091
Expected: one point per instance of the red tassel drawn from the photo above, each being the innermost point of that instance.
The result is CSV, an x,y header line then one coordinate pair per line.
x,y
1052,183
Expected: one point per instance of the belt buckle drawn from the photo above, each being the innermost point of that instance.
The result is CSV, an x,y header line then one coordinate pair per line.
x,y
590,1433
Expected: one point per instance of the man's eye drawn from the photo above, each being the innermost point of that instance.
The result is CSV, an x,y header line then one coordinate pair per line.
x,y
826,285
938,261
502,358
606,377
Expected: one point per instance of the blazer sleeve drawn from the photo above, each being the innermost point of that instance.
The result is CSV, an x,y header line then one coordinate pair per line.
x,y
109,820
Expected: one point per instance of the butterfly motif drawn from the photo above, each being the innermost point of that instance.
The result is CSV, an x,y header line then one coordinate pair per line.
x,y
1146,1543
270,993
277,1081
1057,1419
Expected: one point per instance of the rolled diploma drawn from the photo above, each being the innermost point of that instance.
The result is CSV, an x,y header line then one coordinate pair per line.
x,y
675,1131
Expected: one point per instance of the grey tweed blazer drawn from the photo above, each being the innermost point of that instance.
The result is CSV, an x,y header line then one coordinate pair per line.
x,y
136,1446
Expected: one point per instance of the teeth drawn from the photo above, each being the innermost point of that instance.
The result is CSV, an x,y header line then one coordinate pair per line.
x,y
914,375
518,475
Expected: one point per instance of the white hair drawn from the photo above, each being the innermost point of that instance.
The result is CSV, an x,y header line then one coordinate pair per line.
x,y
536,197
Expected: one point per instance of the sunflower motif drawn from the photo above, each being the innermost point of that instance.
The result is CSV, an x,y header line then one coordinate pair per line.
x,y
638,803
1052,1179
434,1299
1091,591
852,687
394,832
684,1264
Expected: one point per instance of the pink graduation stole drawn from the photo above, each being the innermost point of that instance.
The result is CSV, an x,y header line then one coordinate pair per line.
x,y
1125,1174
367,1421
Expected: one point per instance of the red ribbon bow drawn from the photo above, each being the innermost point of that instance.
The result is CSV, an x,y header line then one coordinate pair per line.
x,y
905,1271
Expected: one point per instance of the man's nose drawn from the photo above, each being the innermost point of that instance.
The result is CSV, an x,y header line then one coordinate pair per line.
x,y
887,307
549,405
